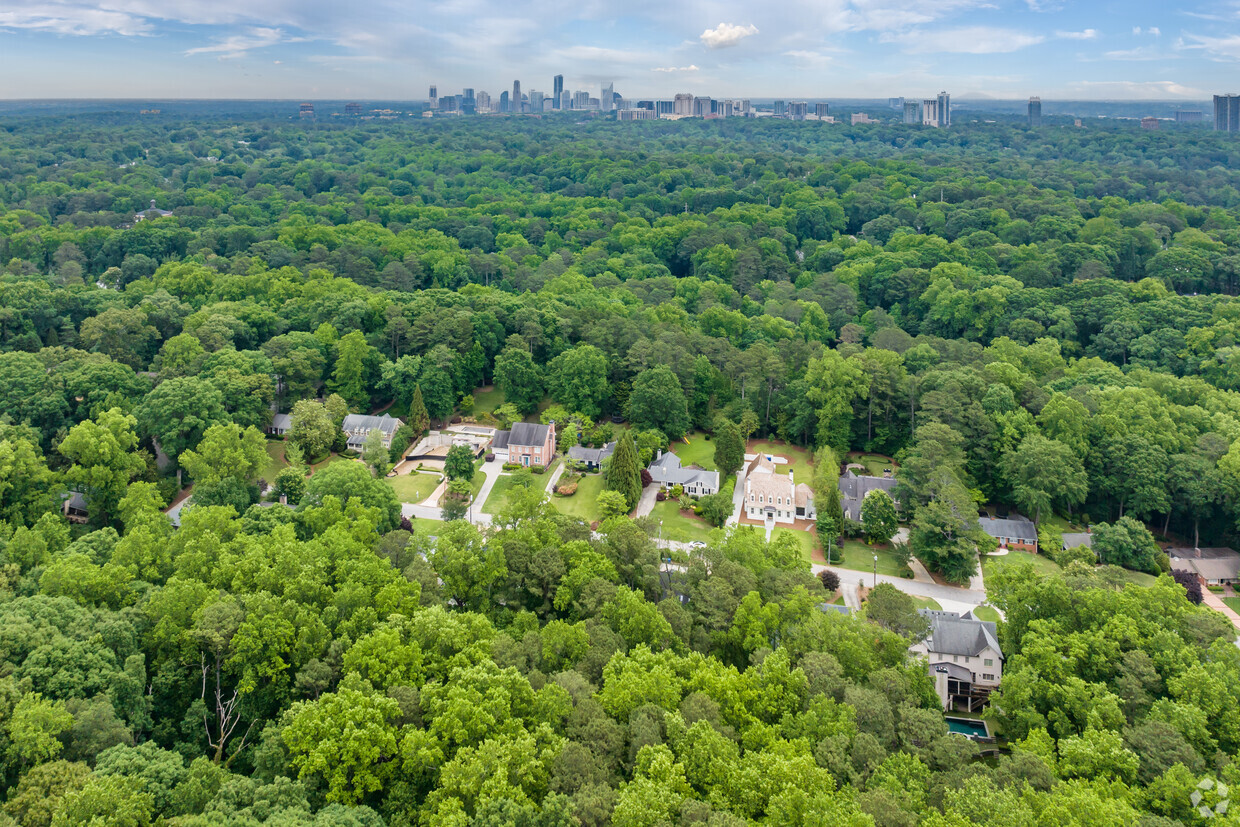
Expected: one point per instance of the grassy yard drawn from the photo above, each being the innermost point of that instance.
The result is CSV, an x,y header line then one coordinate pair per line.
x,y
277,462
584,504
486,402
1232,603
802,472
699,451
415,487
1140,578
986,613
874,464
678,528
1040,562
860,557
804,539
1062,523
499,492
926,603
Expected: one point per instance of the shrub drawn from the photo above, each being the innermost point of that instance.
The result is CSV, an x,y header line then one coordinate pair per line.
x,y
830,580
349,453
567,490
511,466
1192,586
538,469
646,478
661,496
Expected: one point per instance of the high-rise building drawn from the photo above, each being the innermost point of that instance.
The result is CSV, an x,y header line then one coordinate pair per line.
x,y
1149,123
557,91
505,105
581,100
433,98
662,108
566,99
945,109
912,112
353,110
703,107
780,108
1227,113
635,115
930,112
1035,112
514,101
606,97
821,110
895,103
536,102
797,110
683,104
1189,116
306,111
482,102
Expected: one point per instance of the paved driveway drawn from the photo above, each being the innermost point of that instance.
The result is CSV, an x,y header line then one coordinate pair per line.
x,y
952,594
646,504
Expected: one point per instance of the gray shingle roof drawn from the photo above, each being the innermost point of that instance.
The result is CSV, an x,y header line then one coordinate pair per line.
x,y
281,422
581,453
1018,529
359,422
528,434
834,607
1078,539
950,634
667,470
500,440
1210,563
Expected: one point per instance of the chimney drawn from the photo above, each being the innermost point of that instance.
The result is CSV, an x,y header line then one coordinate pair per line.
x,y
1197,553
152,203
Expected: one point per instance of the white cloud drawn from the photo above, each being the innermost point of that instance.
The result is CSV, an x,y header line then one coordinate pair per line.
x,y
1087,34
68,20
239,45
809,58
1154,30
1219,48
690,68
1137,90
972,40
727,34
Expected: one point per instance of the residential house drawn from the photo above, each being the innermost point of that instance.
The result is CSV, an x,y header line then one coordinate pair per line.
x,y
667,473
1213,566
591,458
280,425
530,443
75,507
1013,532
854,487
772,495
828,608
357,427
499,445
1078,539
964,658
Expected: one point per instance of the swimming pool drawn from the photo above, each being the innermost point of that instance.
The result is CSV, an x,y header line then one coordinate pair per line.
x,y
968,728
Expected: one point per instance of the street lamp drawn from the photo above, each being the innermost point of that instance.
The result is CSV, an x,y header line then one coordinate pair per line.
x,y
876,571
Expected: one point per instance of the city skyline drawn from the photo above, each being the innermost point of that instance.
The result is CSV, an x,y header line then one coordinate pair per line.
x,y
386,50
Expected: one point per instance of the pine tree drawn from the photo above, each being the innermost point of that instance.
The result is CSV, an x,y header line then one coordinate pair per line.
x,y
419,419
624,475
729,449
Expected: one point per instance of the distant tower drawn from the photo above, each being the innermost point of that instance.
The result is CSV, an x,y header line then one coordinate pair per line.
x,y
514,102
683,106
945,109
352,110
504,103
307,111
606,97
930,112
779,108
557,91
912,112
822,109
1227,113
434,97
1035,113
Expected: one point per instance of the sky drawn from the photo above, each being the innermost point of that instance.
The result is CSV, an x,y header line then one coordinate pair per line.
x,y
395,49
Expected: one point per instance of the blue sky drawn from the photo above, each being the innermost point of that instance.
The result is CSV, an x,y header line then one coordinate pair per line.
x,y
393,49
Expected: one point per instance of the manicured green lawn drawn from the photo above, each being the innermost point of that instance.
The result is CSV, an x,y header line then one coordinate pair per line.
x,y
1232,603
499,492
486,402
860,557
874,464
584,504
986,613
1062,524
699,451
839,601
801,469
1040,562
415,487
427,527
927,603
276,461
678,528
804,539
1140,578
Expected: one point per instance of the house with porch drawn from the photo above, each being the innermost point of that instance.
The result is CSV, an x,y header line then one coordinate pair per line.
x,y
591,458
667,472
773,495
280,425
1014,532
1212,566
963,657
358,426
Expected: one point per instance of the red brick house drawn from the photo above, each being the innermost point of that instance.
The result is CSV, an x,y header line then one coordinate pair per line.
x,y
530,444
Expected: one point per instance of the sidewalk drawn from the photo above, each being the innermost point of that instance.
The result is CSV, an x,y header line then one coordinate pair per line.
x,y
1216,603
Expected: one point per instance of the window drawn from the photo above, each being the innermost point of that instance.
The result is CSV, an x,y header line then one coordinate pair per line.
x,y
986,676
988,662
966,658
955,658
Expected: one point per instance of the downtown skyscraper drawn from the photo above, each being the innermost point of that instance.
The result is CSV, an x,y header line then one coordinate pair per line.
x,y
557,91
1227,113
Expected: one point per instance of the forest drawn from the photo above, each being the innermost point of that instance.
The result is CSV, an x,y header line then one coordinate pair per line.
x,y
1044,321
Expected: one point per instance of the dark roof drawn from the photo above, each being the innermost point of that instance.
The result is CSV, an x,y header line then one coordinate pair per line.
x,y
1210,563
951,634
1016,528
500,440
1078,539
358,422
282,422
666,469
953,670
595,455
528,433
854,487
834,607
